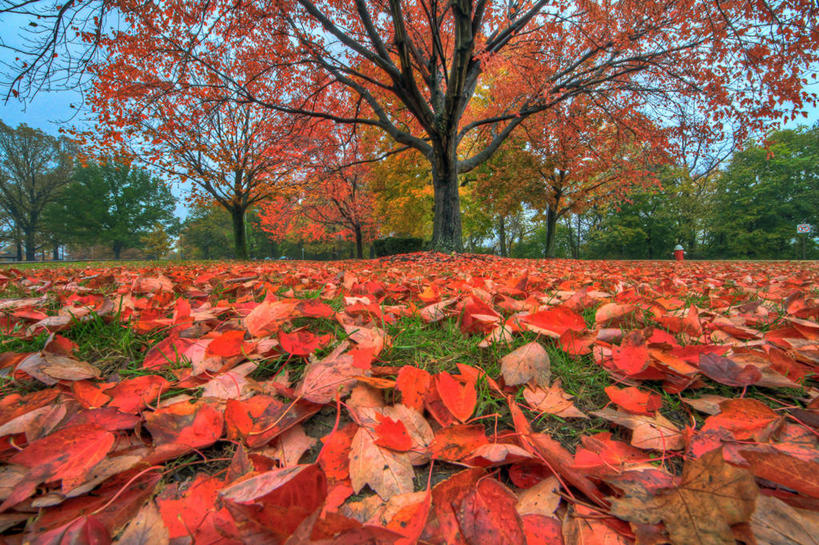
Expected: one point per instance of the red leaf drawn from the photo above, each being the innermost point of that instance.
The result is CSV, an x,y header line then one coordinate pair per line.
x,y
460,398
134,394
67,454
726,371
487,515
456,442
302,343
276,502
631,357
554,322
226,345
413,384
194,425
392,434
82,531
261,418
745,418
633,400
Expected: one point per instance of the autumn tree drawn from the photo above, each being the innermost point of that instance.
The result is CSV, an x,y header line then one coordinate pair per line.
x,y
414,68
33,167
234,154
580,158
334,200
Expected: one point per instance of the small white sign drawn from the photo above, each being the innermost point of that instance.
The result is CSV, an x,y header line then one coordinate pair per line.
x,y
803,228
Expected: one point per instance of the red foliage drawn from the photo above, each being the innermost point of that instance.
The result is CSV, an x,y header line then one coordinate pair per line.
x,y
86,452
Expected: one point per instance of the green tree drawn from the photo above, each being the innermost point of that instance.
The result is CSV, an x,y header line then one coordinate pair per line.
x,y
33,167
207,234
764,194
156,242
111,203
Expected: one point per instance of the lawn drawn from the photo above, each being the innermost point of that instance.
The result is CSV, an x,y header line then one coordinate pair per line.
x,y
418,398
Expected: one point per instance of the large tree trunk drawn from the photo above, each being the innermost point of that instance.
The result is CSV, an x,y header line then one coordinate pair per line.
x,y
19,244
359,243
551,224
117,250
55,252
502,236
446,227
239,233
31,245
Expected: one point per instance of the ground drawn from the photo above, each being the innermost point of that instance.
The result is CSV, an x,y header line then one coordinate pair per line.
x,y
419,398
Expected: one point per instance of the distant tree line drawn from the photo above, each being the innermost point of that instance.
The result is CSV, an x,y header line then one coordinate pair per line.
x,y
520,204
749,209
50,200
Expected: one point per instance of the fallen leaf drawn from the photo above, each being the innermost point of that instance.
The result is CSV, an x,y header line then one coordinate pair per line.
x,y
146,528
459,397
529,363
387,472
711,498
633,400
487,515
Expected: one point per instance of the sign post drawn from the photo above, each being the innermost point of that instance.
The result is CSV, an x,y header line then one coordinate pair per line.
x,y
804,230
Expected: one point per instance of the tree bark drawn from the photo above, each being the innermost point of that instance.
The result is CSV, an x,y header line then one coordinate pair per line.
x,y
359,243
117,250
239,233
55,252
31,248
504,252
551,223
446,228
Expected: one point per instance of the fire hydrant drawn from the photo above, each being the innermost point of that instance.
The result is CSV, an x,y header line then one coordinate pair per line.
x,y
679,253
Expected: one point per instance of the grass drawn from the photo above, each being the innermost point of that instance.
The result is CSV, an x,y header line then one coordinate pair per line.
x,y
110,345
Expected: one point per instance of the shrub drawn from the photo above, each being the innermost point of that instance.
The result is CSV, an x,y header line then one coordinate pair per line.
x,y
397,245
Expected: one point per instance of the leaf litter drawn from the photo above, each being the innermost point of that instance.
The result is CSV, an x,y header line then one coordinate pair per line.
x,y
286,403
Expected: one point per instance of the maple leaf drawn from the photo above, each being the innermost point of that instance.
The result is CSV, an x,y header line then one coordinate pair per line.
x,y
553,322
392,434
552,400
146,528
302,343
276,502
459,397
649,432
387,472
67,454
711,498
528,363
487,515
413,384
633,400
726,371
325,378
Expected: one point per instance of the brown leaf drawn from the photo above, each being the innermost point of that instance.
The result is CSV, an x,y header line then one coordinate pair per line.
x,y
147,528
712,497
552,400
387,472
726,371
541,499
289,447
775,522
324,378
528,363
650,432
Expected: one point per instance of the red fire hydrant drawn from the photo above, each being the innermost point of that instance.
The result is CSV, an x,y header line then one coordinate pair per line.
x,y
679,253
